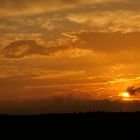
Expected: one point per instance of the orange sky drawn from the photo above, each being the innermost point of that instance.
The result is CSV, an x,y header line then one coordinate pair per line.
x,y
65,56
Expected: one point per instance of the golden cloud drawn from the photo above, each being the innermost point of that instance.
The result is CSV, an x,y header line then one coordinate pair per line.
x,y
101,42
109,21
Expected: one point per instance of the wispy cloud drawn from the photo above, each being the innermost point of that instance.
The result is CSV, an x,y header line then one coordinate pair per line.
x,y
108,21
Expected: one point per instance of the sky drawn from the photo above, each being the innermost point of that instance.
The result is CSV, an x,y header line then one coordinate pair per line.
x,y
69,55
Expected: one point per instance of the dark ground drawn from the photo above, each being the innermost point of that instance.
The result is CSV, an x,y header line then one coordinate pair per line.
x,y
76,119
95,124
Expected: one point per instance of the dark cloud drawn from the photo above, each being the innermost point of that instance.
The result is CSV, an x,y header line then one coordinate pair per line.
x,y
108,42
21,7
133,90
127,5
23,48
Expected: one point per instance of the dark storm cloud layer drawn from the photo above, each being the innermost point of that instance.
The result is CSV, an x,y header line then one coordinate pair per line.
x,y
23,48
108,42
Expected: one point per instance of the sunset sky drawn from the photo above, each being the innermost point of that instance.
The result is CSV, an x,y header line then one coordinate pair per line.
x,y
69,55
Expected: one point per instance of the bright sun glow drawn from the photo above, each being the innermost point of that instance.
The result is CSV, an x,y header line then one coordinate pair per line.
x,y
124,94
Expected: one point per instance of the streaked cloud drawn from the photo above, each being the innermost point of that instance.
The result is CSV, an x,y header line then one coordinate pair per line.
x,y
109,21
25,7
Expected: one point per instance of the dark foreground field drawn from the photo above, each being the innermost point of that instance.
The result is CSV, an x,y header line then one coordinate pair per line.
x,y
74,119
